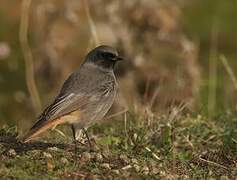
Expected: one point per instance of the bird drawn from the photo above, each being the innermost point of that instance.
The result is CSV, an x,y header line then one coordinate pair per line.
x,y
85,96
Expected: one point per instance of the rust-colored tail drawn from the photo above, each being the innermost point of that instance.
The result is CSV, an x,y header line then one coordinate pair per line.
x,y
42,127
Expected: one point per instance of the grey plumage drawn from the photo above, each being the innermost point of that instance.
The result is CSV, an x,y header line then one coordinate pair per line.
x,y
90,90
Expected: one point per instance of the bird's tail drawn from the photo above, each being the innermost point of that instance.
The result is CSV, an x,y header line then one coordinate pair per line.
x,y
39,128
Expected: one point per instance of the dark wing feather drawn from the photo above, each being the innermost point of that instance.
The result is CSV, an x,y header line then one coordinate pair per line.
x,y
61,101
53,110
77,93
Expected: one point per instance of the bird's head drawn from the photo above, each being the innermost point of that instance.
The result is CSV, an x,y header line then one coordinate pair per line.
x,y
104,57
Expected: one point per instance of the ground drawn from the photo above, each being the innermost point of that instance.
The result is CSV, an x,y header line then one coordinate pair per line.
x,y
144,146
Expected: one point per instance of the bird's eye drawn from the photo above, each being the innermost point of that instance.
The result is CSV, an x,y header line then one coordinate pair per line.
x,y
108,55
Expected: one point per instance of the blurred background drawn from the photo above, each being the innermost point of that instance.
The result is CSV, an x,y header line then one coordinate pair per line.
x,y
177,51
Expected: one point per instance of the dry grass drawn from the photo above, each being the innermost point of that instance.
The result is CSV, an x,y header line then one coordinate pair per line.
x,y
148,145
29,65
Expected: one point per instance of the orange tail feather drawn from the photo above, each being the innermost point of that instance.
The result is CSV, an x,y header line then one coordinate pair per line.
x,y
33,133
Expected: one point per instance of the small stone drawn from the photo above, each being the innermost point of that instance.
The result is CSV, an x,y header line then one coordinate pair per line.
x,y
211,178
47,155
192,165
134,161
162,173
106,166
11,152
137,168
64,160
124,158
184,177
35,151
92,176
85,156
155,171
234,172
127,167
99,157
160,165
210,173
145,170
115,171
224,178
53,149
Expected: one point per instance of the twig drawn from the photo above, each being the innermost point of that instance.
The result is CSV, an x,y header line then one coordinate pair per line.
x,y
229,70
210,138
116,114
23,35
213,69
188,141
213,163
152,153
234,140
60,132
147,87
153,98
175,111
79,174
91,23
125,123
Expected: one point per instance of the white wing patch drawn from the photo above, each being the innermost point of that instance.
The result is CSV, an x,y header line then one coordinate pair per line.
x,y
56,106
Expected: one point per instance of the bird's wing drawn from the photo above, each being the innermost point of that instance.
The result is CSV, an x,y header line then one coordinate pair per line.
x,y
65,104
55,113
62,106
78,92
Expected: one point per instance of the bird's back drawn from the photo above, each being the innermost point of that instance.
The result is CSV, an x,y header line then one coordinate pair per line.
x,y
92,95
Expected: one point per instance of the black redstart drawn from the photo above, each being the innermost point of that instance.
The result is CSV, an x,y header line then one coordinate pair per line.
x,y
85,97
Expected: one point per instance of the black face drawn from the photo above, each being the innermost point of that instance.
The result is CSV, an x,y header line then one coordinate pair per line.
x,y
104,56
108,56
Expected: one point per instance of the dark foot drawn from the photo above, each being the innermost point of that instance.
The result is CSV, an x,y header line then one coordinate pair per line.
x,y
81,141
87,137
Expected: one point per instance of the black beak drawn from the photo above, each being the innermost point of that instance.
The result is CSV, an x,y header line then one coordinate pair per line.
x,y
119,58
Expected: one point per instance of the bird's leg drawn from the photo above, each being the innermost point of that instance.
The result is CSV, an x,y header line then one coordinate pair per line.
x,y
77,136
73,132
76,140
87,137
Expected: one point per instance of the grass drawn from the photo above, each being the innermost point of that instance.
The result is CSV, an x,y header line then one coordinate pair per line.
x,y
150,147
